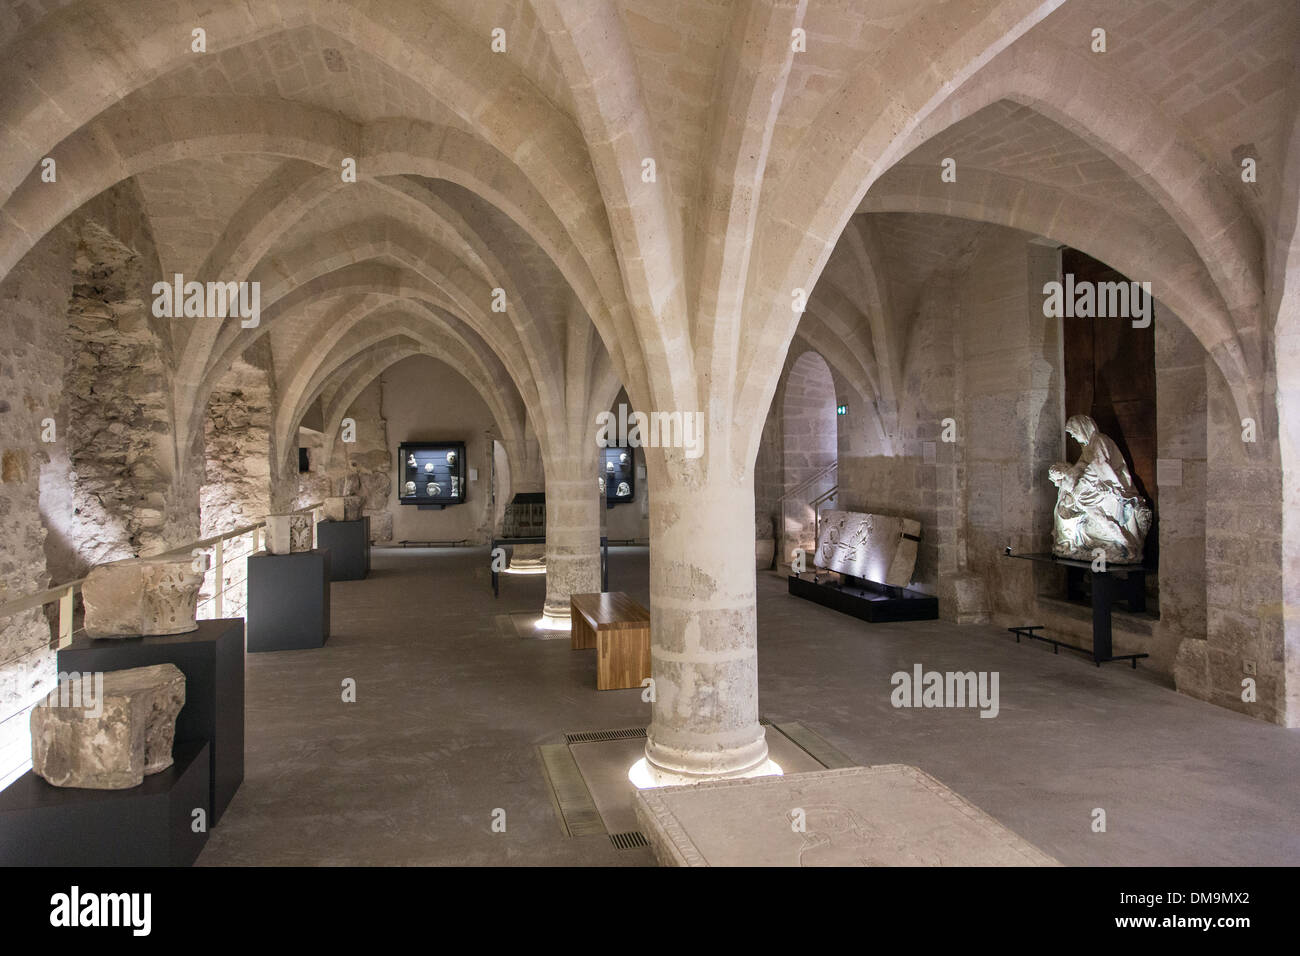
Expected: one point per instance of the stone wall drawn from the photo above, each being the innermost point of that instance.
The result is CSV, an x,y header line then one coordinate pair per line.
x,y
85,354
32,319
1243,562
427,400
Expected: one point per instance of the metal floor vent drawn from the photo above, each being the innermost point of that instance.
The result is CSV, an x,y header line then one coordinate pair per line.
x,y
592,736
628,841
578,813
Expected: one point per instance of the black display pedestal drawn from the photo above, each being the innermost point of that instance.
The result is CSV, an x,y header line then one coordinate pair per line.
x,y
212,660
1125,582
148,825
288,601
866,600
348,543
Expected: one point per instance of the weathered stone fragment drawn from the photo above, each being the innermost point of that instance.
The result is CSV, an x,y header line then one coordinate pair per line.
x,y
288,534
107,731
141,596
342,508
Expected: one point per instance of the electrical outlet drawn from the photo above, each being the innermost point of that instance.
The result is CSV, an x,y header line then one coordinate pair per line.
x,y
1248,667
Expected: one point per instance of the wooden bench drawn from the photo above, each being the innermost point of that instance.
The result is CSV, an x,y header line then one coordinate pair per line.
x,y
619,629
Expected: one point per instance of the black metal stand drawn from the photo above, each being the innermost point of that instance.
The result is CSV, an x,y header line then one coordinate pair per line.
x,y
1027,630
502,542
1126,582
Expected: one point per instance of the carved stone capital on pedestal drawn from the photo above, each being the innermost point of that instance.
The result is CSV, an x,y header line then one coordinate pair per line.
x,y
142,596
106,731
288,534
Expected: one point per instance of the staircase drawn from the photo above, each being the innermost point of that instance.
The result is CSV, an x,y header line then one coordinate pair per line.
x,y
801,511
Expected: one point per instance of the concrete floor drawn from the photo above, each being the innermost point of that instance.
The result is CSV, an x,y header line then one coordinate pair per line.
x,y
450,711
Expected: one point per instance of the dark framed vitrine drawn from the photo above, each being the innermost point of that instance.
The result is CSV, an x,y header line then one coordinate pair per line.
x,y
431,474
618,475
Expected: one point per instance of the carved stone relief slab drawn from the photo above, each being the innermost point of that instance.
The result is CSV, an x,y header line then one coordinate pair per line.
x,y
879,548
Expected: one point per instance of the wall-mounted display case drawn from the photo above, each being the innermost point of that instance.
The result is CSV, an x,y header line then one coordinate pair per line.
x,y
618,475
431,474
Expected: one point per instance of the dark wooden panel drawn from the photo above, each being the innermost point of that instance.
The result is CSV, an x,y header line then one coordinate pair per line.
x,y
1110,374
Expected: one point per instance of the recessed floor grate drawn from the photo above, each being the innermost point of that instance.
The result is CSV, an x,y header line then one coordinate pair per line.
x,y
592,736
578,813
815,745
628,841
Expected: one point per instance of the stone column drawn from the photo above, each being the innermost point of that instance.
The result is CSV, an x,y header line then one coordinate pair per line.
x,y
572,534
703,629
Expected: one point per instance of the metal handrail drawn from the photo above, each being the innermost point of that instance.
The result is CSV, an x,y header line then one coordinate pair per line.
x,y
817,511
789,498
65,594
807,482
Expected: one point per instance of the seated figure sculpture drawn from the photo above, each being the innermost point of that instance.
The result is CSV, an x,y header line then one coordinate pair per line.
x,y
1097,504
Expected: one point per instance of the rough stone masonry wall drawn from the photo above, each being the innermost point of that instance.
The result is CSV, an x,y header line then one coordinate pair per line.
x,y
32,319
121,494
242,483
83,350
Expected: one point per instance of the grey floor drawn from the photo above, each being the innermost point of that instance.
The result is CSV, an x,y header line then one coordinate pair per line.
x,y
451,708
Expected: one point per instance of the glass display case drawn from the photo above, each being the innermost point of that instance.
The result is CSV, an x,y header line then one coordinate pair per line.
x,y
618,475
431,474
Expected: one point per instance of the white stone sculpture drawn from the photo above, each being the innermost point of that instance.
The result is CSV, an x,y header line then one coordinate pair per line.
x,y
878,548
410,461
609,467
343,508
455,487
433,490
622,458
142,596
108,730
451,459
428,467
1097,505
623,490
408,489
288,534
600,483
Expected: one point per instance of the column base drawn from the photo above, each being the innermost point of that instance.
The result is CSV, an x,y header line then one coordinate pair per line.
x,y
646,776
556,618
664,766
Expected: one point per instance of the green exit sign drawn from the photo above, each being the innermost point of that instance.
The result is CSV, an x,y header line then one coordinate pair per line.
x,y
841,409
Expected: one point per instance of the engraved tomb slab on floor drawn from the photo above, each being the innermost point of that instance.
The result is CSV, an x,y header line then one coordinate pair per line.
x,y
889,815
